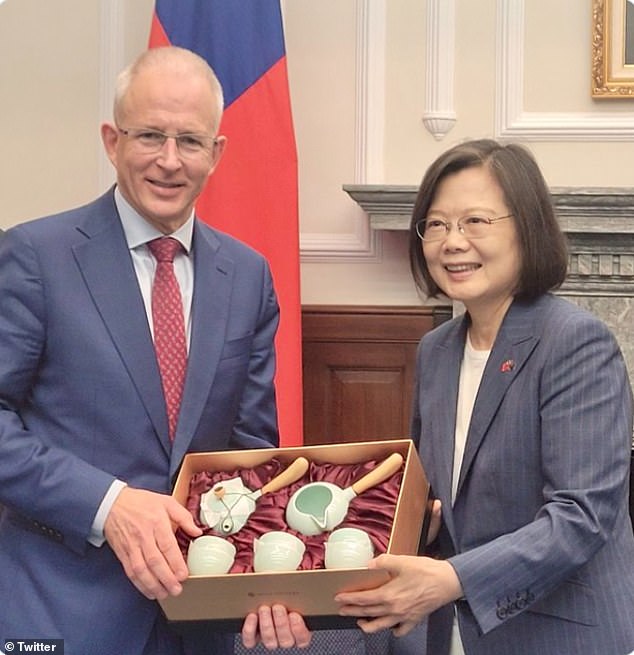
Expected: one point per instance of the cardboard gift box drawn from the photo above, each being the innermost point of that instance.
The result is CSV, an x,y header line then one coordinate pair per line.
x,y
227,599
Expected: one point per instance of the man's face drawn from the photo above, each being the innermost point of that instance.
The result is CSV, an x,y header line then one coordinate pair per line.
x,y
163,184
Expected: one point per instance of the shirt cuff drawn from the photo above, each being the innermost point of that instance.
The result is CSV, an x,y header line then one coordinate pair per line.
x,y
97,537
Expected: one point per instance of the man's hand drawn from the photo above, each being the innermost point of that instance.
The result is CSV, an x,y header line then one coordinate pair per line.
x,y
275,627
140,530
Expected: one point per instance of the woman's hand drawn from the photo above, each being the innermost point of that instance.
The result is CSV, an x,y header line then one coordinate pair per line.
x,y
435,521
417,587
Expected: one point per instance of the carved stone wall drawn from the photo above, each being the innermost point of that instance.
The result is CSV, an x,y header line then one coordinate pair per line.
x,y
599,224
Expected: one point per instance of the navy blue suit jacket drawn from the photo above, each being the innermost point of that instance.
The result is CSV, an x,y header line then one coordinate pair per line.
x,y
539,533
81,404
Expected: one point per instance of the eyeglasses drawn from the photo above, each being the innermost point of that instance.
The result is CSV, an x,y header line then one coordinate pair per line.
x,y
471,227
150,141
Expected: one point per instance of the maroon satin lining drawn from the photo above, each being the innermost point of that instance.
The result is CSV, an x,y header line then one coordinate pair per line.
x,y
372,511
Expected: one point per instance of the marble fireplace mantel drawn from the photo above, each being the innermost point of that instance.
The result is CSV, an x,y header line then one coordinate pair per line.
x,y
599,224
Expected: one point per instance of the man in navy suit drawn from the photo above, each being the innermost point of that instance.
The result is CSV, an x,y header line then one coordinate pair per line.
x,y
87,462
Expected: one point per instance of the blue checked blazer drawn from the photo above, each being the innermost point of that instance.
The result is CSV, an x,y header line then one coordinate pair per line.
x,y
539,534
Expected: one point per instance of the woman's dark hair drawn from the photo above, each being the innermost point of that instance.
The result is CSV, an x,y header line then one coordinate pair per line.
x,y
542,244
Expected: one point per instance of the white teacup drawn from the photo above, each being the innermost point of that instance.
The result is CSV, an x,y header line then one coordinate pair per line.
x,y
210,555
353,535
281,538
277,551
348,548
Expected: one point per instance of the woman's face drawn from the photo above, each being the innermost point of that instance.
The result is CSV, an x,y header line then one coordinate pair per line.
x,y
481,272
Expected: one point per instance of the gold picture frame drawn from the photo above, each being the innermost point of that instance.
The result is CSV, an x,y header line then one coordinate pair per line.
x,y
612,49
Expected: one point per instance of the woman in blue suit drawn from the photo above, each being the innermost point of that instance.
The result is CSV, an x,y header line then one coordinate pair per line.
x,y
524,422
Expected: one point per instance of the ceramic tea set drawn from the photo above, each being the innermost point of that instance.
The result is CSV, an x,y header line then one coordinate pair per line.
x,y
279,551
227,506
210,555
313,509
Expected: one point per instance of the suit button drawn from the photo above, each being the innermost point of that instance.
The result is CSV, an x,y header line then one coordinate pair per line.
x,y
501,612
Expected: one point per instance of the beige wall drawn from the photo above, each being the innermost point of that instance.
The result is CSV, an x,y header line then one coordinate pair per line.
x,y
357,106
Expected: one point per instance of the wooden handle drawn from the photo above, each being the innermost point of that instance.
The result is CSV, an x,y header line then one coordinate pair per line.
x,y
219,492
382,472
290,474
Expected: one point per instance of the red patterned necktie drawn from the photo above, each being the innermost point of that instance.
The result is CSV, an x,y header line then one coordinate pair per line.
x,y
169,327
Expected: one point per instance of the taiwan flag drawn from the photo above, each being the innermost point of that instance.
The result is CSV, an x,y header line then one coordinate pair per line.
x,y
253,193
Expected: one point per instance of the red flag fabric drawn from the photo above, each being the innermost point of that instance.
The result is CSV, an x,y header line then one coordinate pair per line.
x,y
253,193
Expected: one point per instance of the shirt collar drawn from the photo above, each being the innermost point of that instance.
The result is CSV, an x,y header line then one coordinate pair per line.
x,y
138,231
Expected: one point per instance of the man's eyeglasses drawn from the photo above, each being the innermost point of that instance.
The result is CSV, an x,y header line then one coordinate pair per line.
x,y
471,227
151,141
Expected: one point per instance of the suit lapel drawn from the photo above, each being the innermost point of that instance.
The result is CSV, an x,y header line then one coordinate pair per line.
x,y
106,266
437,440
213,275
515,342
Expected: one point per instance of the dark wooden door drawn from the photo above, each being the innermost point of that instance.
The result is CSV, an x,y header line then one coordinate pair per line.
x,y
358,370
